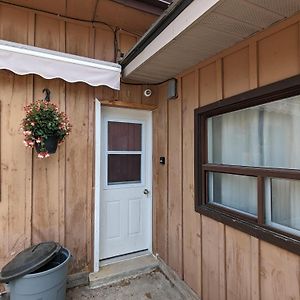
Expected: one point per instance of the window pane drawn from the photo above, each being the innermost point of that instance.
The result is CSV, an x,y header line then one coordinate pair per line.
x,y
124,168
260,136
233,191
284,202
124,136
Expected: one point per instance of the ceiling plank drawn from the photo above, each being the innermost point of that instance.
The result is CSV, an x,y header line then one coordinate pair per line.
x,y
53,6
81,10
124,17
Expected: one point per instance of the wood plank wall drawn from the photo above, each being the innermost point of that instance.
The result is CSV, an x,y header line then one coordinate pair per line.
x,y
217,261
52,199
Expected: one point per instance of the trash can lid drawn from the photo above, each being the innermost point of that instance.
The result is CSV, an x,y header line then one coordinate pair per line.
x,y
29,260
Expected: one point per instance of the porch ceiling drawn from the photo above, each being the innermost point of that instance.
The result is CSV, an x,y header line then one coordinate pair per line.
x,y
133,18
223,24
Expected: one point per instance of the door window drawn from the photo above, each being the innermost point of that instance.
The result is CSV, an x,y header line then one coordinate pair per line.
x,y
124,153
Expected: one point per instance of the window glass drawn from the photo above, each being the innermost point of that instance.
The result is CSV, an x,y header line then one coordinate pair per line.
x,y
259,136
283,196
124,168
124,136
233,191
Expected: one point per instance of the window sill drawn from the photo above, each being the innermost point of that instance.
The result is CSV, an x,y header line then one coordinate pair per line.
x,y
261,232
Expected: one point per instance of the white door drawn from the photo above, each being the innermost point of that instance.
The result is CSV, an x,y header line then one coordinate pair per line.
x,y
125,197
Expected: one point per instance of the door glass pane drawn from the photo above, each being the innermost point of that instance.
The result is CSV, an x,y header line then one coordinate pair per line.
x,y
124,136
233,191
285,202
124,168
259,136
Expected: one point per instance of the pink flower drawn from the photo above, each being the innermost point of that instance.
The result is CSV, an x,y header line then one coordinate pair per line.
x,y
27,132
28,143
32,123
43,154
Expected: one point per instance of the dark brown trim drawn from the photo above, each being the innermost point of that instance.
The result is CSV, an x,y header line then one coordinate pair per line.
x,y
233,213
282,240
253,226
260,200
253,171
197,160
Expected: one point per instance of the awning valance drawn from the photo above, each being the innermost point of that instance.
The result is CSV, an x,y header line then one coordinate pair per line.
x,y
23,59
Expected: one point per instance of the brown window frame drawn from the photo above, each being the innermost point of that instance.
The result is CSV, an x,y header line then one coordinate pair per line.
x,y
254,226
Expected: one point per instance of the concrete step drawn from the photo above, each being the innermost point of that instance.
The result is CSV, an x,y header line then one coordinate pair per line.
x,y
115,272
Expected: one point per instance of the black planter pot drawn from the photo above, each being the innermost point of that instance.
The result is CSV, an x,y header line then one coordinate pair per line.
x,y
50,144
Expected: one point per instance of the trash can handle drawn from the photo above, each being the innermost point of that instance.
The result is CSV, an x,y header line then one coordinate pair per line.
x,y
34,248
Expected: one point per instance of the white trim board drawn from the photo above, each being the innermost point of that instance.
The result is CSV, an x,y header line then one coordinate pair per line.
x,y
97,184
191,14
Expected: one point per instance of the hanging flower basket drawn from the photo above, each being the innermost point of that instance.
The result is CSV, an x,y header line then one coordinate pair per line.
x,y
44,127
51,143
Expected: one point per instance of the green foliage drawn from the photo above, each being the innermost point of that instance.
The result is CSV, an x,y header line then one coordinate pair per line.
x,y
43,119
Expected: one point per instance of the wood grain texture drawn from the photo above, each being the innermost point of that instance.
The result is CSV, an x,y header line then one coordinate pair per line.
x,y
14,24
47,33
208,84
104,44
160,177
77,145
255,268
132,20
175,185
213,260
75,9
15,180
127,41
57,7
46,176
191,219
253,65
279,273
45,198
130,93
124,104
278,55
76,175
236,72
15,92
242,272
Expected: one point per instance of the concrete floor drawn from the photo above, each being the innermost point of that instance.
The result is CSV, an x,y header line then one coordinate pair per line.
x,y
148,286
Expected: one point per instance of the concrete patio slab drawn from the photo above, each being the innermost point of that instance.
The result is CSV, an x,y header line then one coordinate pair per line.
x,y
114,272
154,285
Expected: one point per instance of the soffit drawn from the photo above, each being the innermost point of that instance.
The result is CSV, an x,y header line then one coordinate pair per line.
x,y
223,25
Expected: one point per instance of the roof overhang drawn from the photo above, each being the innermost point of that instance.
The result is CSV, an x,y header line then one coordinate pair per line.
x,y
182,38
22,59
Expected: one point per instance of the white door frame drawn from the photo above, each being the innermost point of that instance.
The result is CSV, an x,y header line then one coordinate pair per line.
x,y
97,180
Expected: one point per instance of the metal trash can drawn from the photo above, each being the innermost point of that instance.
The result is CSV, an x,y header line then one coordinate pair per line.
x,y
38,273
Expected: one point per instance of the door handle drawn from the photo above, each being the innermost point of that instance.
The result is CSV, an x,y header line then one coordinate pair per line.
x,y
146,192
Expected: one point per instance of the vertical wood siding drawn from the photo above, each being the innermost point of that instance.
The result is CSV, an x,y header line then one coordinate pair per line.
x,y
217,261
52,199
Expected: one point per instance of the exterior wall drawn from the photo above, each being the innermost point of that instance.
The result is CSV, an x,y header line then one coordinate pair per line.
x,y
215,260
52,199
